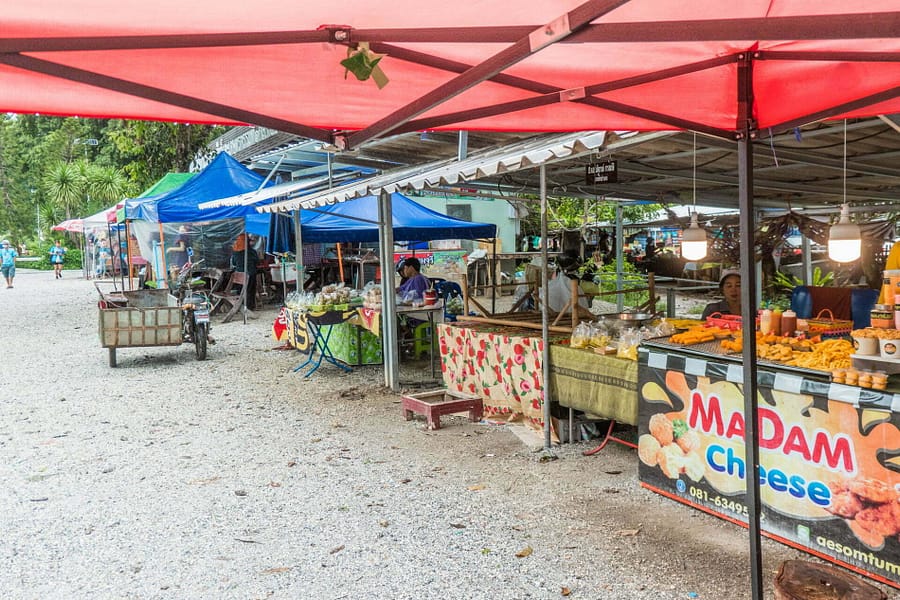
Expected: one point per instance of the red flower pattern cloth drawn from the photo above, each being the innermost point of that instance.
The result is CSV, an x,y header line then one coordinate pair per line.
x,y
503,369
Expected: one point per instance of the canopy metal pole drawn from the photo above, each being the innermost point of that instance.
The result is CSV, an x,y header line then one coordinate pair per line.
x,y
620,260
492,273
164,282
545,315
748,316
388,295
128,256
298,251
246,287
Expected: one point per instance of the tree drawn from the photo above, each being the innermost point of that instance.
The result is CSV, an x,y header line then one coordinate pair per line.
x,y
569,213
147,150
64,186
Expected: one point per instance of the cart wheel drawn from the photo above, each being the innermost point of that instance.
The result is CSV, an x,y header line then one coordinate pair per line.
x,y
112,357
201,333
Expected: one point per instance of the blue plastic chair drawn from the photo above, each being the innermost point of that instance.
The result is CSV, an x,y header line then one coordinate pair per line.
x,y
861,302
446,290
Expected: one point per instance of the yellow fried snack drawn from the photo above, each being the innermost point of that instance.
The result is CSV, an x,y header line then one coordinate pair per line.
x,y
825,356
661,428
648,446
694,335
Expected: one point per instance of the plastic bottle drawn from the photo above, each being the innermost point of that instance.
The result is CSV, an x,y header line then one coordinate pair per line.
x,y
776,321
788,322
765,321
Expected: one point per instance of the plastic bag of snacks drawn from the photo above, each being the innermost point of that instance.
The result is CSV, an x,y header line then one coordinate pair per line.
x,y
628,344
599,335
581,336
662,329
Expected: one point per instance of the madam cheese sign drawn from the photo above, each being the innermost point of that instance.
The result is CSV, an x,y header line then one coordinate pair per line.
x,y
828,475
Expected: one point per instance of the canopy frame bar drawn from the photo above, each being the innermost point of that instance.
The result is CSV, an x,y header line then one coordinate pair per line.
x,y
550,94
540,38
811,27
831,111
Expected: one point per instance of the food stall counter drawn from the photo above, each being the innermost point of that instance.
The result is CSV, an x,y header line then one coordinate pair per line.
x,y
829,470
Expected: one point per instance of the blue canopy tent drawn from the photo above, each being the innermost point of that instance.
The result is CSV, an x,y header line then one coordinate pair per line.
x,y
222,178
356,221
211,231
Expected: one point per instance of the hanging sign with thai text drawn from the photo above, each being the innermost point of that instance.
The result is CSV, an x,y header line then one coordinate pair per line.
x,y
601,172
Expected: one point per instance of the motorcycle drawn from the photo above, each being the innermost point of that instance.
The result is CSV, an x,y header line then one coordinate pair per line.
x,y
195,305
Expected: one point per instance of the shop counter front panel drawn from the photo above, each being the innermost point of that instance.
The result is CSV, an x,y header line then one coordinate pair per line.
x,y
347,341
829,455
504,366
601,386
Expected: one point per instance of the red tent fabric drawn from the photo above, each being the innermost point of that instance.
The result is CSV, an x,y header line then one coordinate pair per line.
x,y
70,225
556,65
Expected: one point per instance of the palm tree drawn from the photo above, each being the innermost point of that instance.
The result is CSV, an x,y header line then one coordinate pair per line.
x,y
64,186
108,184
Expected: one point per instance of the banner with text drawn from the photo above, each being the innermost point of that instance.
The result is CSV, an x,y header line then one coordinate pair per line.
x,y
828,476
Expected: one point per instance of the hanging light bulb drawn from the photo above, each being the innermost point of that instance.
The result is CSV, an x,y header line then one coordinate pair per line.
x,y
844,240
693,239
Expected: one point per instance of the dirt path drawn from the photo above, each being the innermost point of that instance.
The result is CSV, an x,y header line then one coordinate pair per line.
x,y
235,478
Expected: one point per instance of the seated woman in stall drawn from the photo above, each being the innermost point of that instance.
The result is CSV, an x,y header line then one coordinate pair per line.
x,y
414,283
730,286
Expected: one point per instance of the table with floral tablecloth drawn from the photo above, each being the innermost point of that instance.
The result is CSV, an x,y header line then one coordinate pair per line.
x,y
500,365
503,365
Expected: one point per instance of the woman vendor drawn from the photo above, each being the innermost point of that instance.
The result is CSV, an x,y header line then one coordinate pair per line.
x,y
730,287
414,283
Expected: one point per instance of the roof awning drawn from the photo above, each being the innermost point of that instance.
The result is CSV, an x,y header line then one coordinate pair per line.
x,y
522,155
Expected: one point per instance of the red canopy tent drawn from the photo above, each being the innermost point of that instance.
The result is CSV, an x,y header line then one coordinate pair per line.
x,y
559,65
736,70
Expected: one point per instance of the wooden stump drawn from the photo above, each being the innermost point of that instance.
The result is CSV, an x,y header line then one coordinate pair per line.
x,y
801,580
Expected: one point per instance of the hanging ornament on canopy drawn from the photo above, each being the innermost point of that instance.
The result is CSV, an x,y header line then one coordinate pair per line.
x,y
363,63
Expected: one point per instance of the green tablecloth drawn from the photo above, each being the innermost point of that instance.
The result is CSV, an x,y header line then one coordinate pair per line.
x,y
603,386
346,347
348,342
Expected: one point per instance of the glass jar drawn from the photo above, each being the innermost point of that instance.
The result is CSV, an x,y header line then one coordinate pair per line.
x,y
882,316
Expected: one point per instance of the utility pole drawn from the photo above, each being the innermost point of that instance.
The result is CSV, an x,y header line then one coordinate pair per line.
x,y
37,214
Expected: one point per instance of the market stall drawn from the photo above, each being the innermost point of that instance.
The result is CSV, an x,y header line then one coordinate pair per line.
x,y
828,471
352,222
157,222
503,365
346,339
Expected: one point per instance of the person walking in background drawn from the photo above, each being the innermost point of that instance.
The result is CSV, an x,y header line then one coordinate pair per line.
x,y
104,258
57,252
8,256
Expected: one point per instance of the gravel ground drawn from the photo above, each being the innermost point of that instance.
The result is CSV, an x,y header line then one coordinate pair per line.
x,y
235,478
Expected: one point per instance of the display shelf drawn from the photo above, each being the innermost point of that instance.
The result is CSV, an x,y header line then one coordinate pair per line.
x,y
891,366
